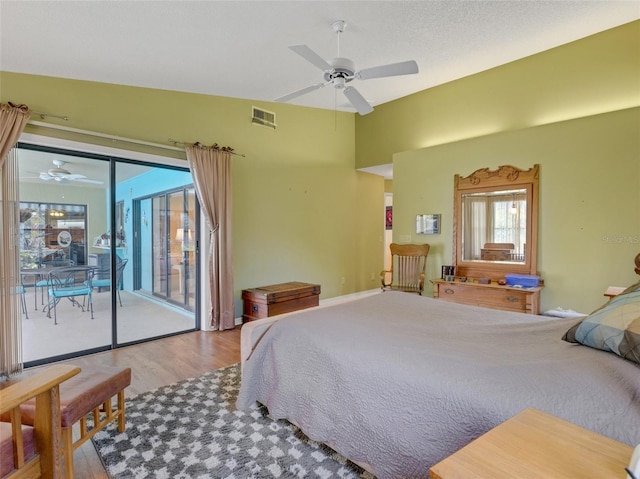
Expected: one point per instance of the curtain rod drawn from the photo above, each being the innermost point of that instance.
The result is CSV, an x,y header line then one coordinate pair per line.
x,y
107,136
44,115
103,135
179,142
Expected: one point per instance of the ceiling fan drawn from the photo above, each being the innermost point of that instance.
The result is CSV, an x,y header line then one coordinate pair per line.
x,y
340,71
62,175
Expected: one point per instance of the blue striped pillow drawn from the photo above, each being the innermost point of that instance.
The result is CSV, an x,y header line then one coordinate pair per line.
x,y
615,327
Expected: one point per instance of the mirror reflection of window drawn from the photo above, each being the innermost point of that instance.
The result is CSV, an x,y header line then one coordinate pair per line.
x,y
494,226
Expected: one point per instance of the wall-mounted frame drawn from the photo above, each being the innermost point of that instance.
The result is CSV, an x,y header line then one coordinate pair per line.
x,y
388,221
428,224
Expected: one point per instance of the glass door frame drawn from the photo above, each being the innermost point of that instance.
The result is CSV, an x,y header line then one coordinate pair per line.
x,y
80,150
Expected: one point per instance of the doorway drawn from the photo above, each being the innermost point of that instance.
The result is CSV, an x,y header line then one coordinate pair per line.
x,y
388,230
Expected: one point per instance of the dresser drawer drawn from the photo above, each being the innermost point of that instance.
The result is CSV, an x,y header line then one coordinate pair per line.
x,y
504,299
489,296
457,293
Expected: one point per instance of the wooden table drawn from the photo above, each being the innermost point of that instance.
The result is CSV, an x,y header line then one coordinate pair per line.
x,y
534,444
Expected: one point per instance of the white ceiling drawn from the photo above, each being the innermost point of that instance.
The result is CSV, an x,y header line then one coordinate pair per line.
x,y
239,48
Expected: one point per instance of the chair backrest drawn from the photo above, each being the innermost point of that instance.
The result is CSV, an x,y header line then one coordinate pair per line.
x,y
70,277
119,270
497,252
508,246
58,263
408,265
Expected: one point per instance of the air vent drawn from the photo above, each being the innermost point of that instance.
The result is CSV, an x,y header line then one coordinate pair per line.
x,y
263,117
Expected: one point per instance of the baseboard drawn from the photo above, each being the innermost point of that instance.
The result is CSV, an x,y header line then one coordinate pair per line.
x,y
336,300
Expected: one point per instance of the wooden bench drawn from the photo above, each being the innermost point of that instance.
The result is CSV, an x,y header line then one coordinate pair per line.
x,y
89,394
33,451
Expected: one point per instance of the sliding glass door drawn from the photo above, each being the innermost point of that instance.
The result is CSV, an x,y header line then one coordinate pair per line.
x,y
173,238
62,208
133,224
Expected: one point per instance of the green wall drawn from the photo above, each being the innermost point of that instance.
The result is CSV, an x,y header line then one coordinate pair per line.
x,y
301,212
589,221
597,74
573,110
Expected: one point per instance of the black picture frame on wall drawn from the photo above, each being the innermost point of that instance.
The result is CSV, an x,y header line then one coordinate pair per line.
x,y
388,221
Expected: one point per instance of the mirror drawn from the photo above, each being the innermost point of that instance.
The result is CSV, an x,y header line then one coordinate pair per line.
x,y
495,222
494,225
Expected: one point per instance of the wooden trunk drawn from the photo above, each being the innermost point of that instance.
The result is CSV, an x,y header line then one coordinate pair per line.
x,y
275,299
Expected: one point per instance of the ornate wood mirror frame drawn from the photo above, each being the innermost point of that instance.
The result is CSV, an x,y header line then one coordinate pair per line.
x,y
506,180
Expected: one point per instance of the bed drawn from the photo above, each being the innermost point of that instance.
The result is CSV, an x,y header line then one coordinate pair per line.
x,y
396,382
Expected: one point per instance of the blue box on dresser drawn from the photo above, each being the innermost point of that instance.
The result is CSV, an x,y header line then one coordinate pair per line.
x,y
524,280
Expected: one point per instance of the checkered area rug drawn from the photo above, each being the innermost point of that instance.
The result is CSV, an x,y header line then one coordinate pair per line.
x,y
191,429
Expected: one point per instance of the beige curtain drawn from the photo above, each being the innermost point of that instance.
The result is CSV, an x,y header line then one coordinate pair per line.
x,y
13,119
211,170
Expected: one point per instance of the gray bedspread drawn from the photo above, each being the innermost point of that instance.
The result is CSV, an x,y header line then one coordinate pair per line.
x,y
399,381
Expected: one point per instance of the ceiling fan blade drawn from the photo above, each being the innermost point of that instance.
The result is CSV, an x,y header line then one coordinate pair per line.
x,y
357,100
403,68
86,180
46,177
311,56
300,92
74,176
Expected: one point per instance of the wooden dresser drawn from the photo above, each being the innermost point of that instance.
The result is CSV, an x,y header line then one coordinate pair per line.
x,y
493,295
495,233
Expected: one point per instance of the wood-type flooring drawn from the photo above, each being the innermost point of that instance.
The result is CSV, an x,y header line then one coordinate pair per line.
x,y
154,364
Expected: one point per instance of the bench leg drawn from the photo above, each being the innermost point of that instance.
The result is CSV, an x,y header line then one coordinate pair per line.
x,y
121,421
67,451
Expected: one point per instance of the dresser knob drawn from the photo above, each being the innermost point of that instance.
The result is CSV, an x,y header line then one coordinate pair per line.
x,y
449,291
513,299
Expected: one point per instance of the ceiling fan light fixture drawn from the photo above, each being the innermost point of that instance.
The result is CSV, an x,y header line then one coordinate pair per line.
x,y
59,170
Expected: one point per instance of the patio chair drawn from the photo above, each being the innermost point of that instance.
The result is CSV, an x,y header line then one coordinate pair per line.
x,y
20,289
44,283
105,280
70,282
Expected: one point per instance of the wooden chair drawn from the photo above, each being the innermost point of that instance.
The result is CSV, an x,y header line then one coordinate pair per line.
x,y
408,264
29,452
